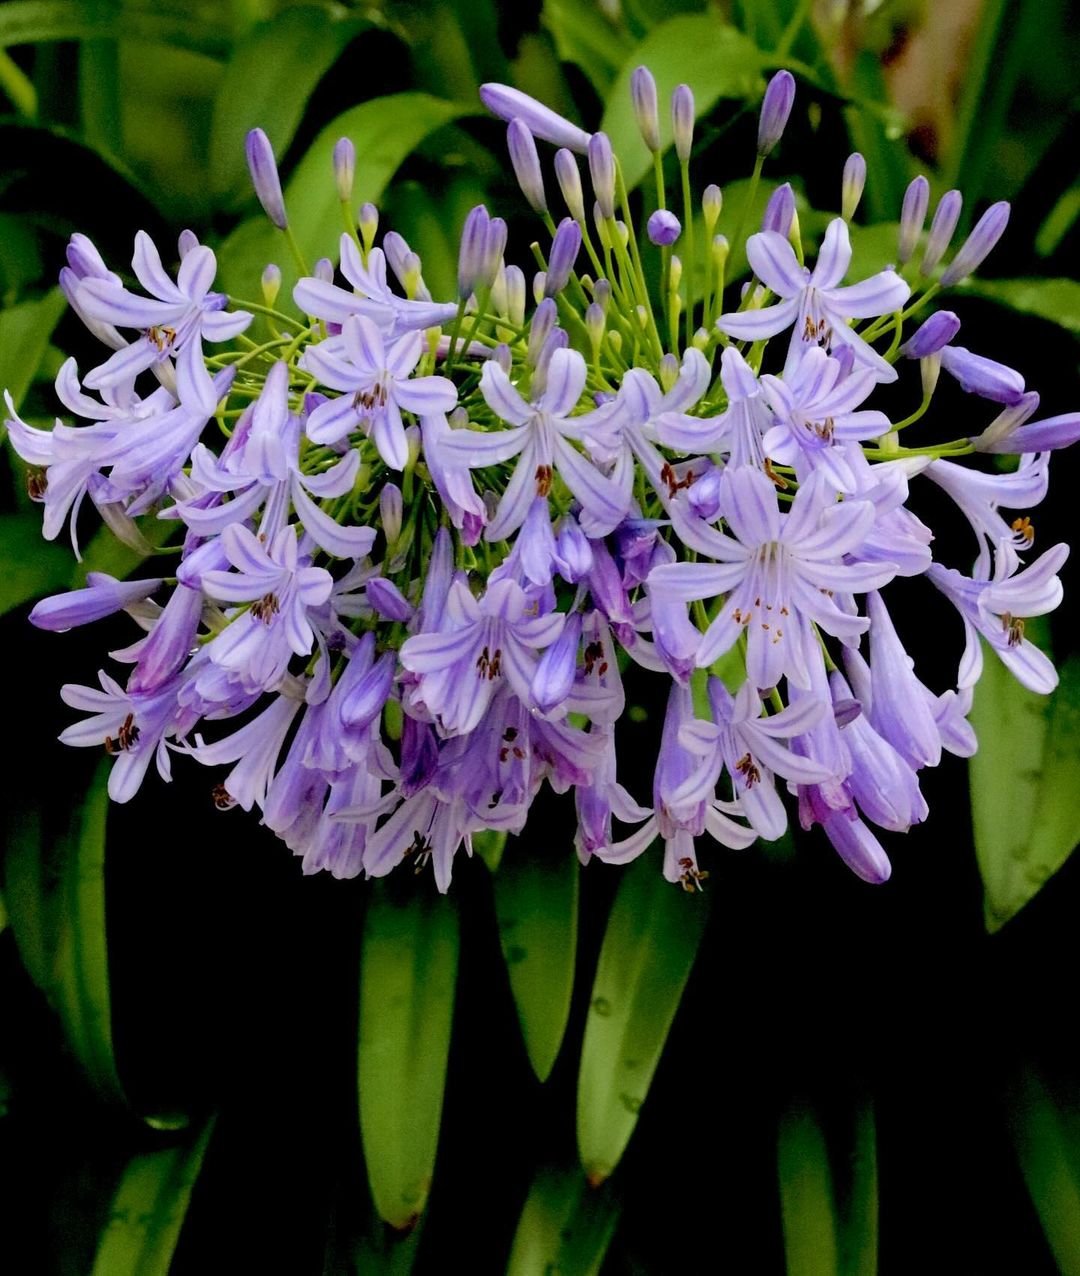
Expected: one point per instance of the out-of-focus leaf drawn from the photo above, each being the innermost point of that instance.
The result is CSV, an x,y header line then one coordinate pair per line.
x,y
1058,223
1025,780
1046,1135
1056,300
104,553
697,49
873,248
536,906
829,1207
29,893
878,139
408,970
565,1225
489,845
735,214
99,95
25,330
649,947
3,915
148,1209
29,566
37,21
267,85
20,256
385,130
18,86
584,35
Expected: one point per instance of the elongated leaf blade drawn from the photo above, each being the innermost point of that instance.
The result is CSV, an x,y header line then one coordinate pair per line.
x,y
1055,300
1025,780
694,48
266,85
408,971
1047,1140
148,1209
536,905
649,947
385,130
40,21
807,1199
29,566
25,330
583,34
565,1225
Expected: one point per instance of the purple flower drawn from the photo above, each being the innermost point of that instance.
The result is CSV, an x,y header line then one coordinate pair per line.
x,y
779,213
664,228
542,122
813,301
931,336
379,387
104,595
738,431
982,376
775,110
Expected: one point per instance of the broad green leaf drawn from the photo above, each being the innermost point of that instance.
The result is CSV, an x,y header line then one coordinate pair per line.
x,y
536,906
148,1209
1046,1135
1025,780
25,330
829,1205
408,969
566,1226
649,947
38,21
30,567
1056,300
268,81
385,131
584,35
697,49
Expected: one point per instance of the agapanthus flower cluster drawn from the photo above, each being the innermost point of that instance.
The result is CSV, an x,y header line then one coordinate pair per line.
x,y
414,545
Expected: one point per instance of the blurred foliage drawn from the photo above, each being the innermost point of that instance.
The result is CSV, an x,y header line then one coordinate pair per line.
x,y
190,970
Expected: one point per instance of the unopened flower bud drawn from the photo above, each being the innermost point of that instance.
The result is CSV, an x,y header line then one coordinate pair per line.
x,y
344,168
602,293
526,164
264,177
852,185
912,216
369,224
271,283
602,230
324,270
720,250
712,201
186,241
541,121
568,176
932,335
515,295
669,371
775,110
675,273
564,251
543,321
985,377
602,172
929,371
595,322
615,340
780,211
682,121
663,228
946,215
643,94
391,508
471,254
978,245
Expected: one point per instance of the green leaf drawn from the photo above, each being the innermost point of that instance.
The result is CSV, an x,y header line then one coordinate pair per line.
x,y
30,899
829,1205
877,139
25,330
38,21
1024,781
1056,300
20,256
148,1209
386,130
267,84
649,947
536,906
1058,223
408,969
565,1226
30,567
104,553
584,35
1046,1134
696,49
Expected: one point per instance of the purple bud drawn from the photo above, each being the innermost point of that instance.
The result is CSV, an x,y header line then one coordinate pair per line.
x,y
543,321
602,172
387,600
390,511
369,224
704,494
541,121
1039,436
494,247
324,270
569,178
780,211
663,228
473,245
344,168
564,251
946,215
504,357
554,677
985,377
643,95
852,185
526,162
931,336
103,596
999,435
515,294
712,201
396,250
170,643
573,553
271,283
595,323
264,177
912,216
682,120
367,697
979,244
775,110
186,241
